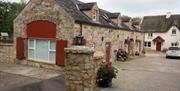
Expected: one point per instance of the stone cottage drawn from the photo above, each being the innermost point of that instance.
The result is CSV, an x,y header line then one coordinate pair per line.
x,y
45,27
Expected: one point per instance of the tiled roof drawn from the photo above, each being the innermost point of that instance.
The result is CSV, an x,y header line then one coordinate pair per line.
x,y
74,7
113,15
86,6
160,23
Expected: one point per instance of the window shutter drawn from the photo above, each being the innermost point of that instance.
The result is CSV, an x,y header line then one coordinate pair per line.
x,y
20,48
60,54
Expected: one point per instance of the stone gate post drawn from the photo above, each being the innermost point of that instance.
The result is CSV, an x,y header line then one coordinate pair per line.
x,y
79,69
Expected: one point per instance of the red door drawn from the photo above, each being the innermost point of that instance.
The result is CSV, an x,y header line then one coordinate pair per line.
x,y
108,51
158,46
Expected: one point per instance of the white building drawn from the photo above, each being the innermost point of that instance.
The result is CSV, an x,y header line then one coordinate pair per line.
x,y
161,32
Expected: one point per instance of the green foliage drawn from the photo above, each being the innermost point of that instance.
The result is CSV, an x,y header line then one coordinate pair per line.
x,y
8,12
105,74
136,20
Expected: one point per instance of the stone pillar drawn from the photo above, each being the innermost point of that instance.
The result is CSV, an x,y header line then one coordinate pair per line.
x,y
80,69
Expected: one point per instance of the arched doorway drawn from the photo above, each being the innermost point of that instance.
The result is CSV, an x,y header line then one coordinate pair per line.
x,y
159,42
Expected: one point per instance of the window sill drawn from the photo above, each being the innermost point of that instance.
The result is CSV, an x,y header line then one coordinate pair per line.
x,y
43,62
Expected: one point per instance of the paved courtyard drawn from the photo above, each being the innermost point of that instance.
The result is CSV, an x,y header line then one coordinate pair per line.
x,y
150,73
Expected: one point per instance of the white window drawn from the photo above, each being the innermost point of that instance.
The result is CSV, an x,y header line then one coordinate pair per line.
x,y
150,35
173,31
147,44
174,44
41,50
94,15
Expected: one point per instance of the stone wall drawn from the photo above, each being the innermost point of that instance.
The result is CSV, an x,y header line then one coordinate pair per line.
x,y
81,68
7,53
45,10
96,37
48,10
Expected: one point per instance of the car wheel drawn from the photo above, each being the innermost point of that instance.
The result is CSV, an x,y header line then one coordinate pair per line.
x,y
167,56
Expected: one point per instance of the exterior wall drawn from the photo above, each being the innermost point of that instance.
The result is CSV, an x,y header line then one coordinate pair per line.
x,y
66,29
7,53
168,37
97,37
44,10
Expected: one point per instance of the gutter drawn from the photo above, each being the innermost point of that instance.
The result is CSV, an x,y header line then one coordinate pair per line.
x,y
100,25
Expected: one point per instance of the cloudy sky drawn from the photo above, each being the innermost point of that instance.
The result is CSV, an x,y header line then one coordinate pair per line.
x,y
138,7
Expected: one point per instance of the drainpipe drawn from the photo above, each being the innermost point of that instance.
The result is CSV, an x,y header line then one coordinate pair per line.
x,y
81,29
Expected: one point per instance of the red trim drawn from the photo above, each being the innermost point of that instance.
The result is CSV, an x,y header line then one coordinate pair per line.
x,y
41,29
20,48
60,54
108,52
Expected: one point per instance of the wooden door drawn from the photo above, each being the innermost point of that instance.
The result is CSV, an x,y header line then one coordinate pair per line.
x,y
108,51
158,46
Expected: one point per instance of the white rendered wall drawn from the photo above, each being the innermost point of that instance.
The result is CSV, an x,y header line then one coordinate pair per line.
x,y
168,37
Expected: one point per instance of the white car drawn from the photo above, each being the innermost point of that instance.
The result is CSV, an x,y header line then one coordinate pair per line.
x,y
173,52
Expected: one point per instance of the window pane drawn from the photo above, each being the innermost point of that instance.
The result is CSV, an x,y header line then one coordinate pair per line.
x,y
52,45
145,44
149,44
31,43
42,50
52,56
31,54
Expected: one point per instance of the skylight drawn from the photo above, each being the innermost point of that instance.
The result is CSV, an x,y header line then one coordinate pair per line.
x,y
105,17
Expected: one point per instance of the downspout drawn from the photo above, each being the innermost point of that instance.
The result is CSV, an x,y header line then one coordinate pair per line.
x,y
81,29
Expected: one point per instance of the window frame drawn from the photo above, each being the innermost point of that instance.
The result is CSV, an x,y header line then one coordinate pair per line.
x,y
94,15
147,44
150,35
35,55
174,32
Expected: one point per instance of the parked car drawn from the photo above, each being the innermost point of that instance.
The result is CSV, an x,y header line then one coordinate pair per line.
x,y
173,52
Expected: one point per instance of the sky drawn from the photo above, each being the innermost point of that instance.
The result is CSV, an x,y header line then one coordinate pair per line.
x,y
135,8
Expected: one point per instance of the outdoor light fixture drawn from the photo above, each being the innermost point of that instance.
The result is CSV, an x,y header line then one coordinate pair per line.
x,y
79,40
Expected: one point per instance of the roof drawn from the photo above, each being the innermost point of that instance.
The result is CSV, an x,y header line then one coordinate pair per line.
x,y
159,38
160,24
86,6
113,15
74,7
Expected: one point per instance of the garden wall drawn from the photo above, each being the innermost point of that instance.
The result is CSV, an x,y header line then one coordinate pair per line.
x,y
7,53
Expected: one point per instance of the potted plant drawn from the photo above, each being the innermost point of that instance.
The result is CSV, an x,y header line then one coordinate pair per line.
x,y
105,74
137,53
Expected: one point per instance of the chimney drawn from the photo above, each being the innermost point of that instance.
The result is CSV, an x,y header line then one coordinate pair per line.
x,y
168,15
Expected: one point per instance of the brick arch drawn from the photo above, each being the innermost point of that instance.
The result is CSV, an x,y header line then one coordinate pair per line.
x,y
41,29
51,21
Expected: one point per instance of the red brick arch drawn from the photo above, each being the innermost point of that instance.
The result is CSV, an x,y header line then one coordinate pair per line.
x,y
41,29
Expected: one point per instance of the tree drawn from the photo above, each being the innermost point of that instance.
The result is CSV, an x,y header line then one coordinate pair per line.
x,y
136,20
8,12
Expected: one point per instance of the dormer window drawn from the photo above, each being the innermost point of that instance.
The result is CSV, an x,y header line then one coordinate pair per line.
x,y
174,32
94,15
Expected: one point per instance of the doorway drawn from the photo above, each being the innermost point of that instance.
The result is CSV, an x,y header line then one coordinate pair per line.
x,y
158,46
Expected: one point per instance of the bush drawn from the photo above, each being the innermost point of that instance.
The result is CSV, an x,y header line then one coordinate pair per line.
x,y
105,75
137,53
121,55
